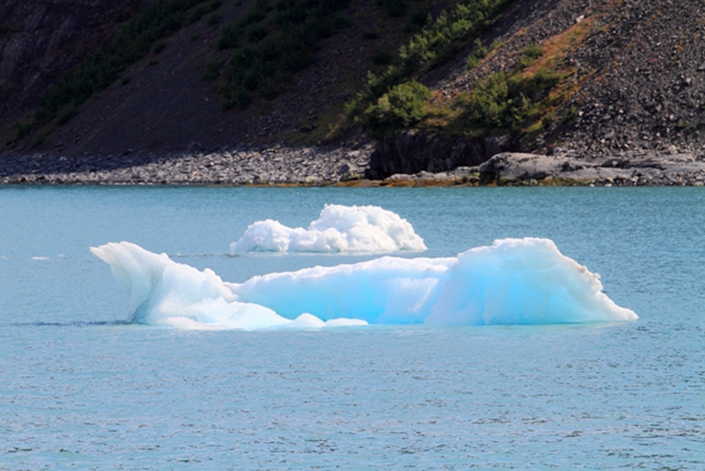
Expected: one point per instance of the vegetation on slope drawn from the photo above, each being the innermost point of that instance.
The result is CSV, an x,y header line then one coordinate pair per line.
x,y
436,43
271,44
275,41
521,101
262,54
131,42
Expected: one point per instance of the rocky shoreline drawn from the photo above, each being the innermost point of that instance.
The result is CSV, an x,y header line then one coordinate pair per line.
x,y
344,166
275,165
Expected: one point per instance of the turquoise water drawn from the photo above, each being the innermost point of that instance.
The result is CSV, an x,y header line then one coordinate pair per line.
x,y
81,389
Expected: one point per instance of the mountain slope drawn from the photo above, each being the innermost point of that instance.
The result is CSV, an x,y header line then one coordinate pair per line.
x,y
576,77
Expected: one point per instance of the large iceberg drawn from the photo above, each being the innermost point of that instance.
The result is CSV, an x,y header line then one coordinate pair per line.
x,y
513,281
339,228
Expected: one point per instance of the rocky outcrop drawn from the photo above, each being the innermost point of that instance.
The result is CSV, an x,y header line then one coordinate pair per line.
x,y
635,170
411,152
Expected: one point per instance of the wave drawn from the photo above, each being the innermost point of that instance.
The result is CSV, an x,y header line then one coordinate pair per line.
x,y
513,281
368,229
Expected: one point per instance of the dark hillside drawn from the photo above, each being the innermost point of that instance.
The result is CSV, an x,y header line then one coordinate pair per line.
x,y
451,83
173,98
40,41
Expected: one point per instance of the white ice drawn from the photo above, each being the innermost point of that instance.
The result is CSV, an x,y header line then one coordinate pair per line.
x,y
513,281
369,229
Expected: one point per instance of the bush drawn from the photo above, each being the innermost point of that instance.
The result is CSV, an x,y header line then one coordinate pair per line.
x,y
229,38
479,53
256,33
395,8
214,19
213,69
381,58
507,104
532,52
66,113
159,47
403,106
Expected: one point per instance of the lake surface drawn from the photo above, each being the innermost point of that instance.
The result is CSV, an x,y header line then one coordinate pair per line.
x,y
80,388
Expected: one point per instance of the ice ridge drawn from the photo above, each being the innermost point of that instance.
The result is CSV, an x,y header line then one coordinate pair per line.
x,y
513,281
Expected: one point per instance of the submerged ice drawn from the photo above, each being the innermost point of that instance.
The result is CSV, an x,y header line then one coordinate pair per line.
x,y
513,281
337,229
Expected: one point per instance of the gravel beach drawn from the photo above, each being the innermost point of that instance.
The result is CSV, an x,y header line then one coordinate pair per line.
x,y
345,166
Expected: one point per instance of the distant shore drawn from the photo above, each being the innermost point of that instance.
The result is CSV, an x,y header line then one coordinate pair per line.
x,y
342,166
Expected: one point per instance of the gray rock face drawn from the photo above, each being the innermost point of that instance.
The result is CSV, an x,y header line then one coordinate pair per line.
x,y
411,152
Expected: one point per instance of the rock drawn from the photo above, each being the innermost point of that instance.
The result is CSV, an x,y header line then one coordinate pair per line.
x,y
411,152
516,166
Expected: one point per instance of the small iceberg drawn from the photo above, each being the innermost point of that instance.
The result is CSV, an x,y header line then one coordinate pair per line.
x,y
513,281
339,229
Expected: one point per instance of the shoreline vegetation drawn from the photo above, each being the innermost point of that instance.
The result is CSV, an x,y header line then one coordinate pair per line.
x,y
344,166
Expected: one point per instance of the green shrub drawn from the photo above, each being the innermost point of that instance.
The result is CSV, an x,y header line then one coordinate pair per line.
x,y
395,8
479,53
570,115
159,47
403,106
381,58
280,41
508,104
229,38
256,33
214,19
200,11
256,14
66,113
213,69
532,52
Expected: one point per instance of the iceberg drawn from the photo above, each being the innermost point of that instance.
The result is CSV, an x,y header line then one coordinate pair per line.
x,y
366,229
513,281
